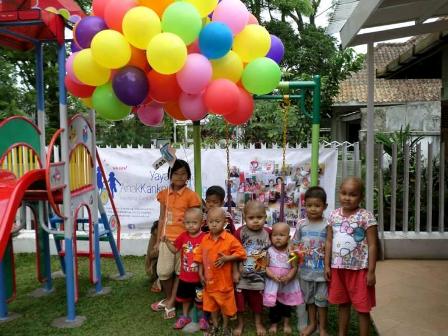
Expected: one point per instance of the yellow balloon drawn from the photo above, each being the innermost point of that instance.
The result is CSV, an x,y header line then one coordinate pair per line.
x,y
140,25
252,42
166,53
229,67
88,71
204,7
110,49
87,102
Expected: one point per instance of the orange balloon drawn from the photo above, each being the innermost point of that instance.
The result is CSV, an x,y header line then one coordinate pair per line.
x,y
157,6
138,59
173,109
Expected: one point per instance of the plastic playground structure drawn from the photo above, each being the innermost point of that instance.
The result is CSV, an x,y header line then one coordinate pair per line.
x,y
63,196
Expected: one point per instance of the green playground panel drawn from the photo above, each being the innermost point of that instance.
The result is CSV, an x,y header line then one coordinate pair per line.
x,y
18,130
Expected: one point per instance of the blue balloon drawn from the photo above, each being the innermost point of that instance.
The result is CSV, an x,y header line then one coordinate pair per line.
x,y
215,40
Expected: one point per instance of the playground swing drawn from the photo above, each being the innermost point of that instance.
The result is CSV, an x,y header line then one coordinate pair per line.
x,y
303,86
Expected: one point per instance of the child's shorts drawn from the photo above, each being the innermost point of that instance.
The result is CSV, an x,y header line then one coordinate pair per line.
x,y
350,286
167,263
314,292
254,298
224,301
186,291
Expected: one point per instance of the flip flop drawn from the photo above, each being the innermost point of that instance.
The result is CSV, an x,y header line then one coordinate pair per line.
x,y
170,313
158,306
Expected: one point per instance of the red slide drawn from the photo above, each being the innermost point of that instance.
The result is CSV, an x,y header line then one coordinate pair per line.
x,y
12,191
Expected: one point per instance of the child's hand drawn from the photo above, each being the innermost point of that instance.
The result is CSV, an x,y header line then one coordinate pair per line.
x,y
236,277
156,247
327,273
164,239
371,279
222,259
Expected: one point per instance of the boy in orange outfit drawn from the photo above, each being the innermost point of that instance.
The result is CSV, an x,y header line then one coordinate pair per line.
x,y
215,255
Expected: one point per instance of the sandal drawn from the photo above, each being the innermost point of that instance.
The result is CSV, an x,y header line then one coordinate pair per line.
x,y
203,324
170,313
158,306
182,322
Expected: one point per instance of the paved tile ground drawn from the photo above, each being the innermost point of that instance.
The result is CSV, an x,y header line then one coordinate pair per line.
x,y
412,298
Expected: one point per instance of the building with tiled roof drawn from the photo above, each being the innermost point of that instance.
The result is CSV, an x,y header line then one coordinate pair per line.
x,y
397,101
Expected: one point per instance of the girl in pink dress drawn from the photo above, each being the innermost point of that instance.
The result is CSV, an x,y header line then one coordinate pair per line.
x,y
282,289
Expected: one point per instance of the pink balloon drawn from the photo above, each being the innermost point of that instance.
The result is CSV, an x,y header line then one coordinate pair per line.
x,y
69,69
195,75
192,106
151,114
252,19
233,13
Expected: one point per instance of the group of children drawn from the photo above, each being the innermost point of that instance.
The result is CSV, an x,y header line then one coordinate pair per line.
x,y
202,259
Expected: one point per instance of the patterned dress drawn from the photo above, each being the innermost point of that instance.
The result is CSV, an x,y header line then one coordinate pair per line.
x,y
289,294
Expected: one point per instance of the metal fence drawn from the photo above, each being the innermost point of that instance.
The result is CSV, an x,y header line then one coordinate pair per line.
x,y
411,188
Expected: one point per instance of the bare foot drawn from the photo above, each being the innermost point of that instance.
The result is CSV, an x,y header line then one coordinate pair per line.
x,y
273,329
238,331
308,331
287,329
261,331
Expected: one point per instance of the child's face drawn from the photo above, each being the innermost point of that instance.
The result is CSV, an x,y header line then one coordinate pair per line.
x,y
255,217
216,221
280,236
213,201
314,208
350,195
179,177
192,222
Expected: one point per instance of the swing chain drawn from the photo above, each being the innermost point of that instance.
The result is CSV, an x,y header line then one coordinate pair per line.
x,y
285,105
227,152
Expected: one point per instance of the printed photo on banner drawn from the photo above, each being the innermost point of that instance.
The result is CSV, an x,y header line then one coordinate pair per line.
x,y
262,181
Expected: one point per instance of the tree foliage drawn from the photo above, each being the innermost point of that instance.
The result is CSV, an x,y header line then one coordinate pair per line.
x,y
309,51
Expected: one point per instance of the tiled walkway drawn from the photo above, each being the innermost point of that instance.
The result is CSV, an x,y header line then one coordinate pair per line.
x,y
412,298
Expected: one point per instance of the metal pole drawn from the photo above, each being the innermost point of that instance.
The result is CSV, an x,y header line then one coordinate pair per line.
x,y
197,157
40,99
370,130
315,131
68,221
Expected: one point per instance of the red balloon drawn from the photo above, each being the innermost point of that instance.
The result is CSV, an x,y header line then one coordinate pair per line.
x,y
115,11
163,88
173,109
193,48
78,90
244,110
99,7
221,96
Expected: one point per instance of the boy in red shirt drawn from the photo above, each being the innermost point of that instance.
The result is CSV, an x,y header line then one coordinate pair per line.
x,y
189,281
215,255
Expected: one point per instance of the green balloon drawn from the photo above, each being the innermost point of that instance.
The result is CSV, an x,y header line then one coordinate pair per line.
x,y
106,103
261,76
182,19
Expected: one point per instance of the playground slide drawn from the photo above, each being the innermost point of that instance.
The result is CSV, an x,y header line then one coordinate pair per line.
x,y
12,191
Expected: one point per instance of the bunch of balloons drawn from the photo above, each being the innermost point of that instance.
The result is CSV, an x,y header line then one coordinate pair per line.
x,y
187,58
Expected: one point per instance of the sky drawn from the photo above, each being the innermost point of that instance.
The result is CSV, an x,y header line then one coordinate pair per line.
x,y
325,9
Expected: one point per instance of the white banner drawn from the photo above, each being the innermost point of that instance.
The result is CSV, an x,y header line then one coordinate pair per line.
x,y
255,173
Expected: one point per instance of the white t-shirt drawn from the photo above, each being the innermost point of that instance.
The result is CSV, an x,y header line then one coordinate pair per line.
x,y
350,249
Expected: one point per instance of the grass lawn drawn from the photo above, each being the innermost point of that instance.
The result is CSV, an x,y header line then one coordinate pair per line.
x,y
125,311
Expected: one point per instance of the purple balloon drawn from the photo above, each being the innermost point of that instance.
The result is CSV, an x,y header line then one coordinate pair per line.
x,y
131,85
87,28
75,47
277,50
